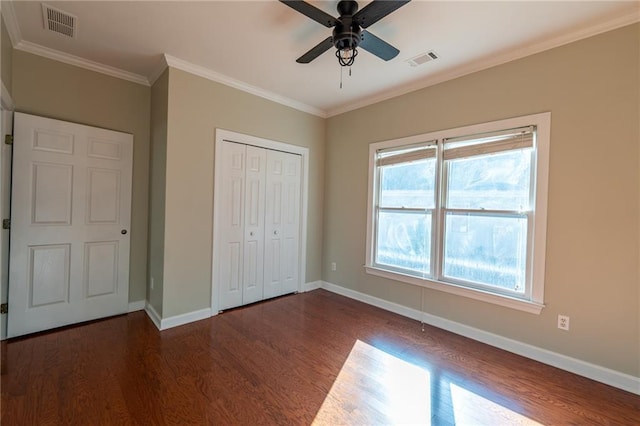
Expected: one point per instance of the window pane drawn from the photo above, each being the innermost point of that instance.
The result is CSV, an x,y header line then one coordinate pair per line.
x,y
485,249
410,185
404,241
492,182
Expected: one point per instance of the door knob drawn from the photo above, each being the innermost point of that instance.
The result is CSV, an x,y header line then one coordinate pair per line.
x,y
124,231
275,232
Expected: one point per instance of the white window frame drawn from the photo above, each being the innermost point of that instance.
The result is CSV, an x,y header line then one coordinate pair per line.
x,y
533,299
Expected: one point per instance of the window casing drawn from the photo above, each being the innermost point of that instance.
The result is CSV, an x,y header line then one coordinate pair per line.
x,y
463,210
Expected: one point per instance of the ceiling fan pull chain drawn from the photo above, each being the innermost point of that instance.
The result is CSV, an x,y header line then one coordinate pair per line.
x,y
349,71
340,77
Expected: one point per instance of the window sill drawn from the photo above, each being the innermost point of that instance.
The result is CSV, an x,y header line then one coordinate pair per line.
x,y
496,299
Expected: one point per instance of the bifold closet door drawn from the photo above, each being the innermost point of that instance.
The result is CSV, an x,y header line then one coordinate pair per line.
x,y
242,232
231,217
258,237
253,271
282,223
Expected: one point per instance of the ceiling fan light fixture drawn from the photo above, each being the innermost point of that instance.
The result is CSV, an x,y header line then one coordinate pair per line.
x,y
346,56
346,38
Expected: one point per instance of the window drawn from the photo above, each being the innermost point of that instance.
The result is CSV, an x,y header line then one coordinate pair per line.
x,y
463,210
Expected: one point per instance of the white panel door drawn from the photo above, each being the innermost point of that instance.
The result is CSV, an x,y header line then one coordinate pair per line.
x,y
230,241
70,218
282,223
253,271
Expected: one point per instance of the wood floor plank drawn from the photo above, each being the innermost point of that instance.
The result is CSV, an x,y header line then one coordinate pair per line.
x,y
312,358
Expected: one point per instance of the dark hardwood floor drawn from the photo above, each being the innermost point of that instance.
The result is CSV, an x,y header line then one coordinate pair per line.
x,y
313,357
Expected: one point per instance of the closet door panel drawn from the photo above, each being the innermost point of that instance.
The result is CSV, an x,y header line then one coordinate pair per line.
x,y
254,225
273,226
282,228
291,222
232,217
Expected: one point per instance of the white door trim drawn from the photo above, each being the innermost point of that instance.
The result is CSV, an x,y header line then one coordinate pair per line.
x,y
227,135
6,128
5,98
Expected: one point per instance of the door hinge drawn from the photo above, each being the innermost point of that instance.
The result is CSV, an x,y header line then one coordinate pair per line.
x,y
8,139
4,308
6,223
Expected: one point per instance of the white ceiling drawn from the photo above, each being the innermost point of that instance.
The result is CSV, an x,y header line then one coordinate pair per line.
x,y
254,44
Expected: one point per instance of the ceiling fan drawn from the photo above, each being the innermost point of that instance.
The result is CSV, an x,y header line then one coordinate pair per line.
x,y
349,32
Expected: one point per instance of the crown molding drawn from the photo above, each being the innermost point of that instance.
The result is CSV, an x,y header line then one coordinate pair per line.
x,y
158,70
11,21
566,38
237,84
56,55
8,14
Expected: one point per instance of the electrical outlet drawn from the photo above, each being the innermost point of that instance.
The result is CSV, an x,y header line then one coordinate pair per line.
x,y
151,283
334,266
563,322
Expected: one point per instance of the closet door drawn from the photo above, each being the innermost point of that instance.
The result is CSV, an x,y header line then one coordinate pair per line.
x,y
253,270
230,247
282,223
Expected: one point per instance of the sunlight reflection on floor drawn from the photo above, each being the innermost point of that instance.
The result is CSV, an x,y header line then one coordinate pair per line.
x,y
374,387
472,409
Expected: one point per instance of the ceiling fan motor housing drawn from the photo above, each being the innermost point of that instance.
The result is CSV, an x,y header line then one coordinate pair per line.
x,y
347,32
346,36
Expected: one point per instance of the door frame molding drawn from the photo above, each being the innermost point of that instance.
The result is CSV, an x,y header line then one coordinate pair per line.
x,y
7,108
230,136
5,99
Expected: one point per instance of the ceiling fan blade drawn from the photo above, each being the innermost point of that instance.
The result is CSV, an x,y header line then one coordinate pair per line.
x,y
316,51
377,46
376,10
312,12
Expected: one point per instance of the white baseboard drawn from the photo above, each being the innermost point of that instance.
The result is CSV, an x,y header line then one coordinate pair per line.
x,y
165,323
313,285
153,315
176,320
137,305
595,372
183,319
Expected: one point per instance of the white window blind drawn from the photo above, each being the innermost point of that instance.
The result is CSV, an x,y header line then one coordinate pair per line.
x,y
407,155
489,143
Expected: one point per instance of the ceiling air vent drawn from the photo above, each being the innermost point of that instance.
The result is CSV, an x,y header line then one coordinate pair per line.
x,y
422,58
58,21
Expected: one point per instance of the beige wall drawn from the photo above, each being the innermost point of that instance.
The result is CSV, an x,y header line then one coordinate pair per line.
x,y
196,108
6,71
56,90
158,175
593,257
592,89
